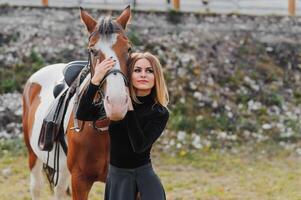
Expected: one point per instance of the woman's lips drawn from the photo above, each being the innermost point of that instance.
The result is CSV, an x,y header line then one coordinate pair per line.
x,y
142,81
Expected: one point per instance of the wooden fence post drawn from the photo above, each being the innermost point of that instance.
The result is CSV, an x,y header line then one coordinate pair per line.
x,y
45,2
176,4
292,7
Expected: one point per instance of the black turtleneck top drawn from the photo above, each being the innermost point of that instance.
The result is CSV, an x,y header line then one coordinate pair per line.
x,y
131,138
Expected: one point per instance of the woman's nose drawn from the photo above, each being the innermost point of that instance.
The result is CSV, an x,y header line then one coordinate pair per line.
x,y
143,74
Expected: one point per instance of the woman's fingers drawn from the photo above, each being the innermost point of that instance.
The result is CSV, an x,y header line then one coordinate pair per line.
x,y
109,65
104,69
100,73
104,65
105,60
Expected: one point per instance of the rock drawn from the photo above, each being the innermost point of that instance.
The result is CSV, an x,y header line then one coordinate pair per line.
x,y
5,135
196,141
181,135
198,96
10,115
6,172
266,126
298,151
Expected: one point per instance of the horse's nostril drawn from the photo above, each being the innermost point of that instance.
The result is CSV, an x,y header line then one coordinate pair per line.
x,y
107,98
126,99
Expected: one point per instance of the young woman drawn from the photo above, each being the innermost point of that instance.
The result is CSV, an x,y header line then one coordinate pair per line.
x,y
131,139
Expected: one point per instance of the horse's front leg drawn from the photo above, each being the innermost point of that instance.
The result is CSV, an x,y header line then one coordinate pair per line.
x,y
61,190
81,187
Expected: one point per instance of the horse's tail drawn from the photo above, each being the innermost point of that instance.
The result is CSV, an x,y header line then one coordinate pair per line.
x,y
25,115
26,123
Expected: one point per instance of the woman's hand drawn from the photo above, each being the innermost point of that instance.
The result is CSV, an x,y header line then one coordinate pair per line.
x,y
101,69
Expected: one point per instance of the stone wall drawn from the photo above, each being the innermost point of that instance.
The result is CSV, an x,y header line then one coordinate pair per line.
x,y
231,78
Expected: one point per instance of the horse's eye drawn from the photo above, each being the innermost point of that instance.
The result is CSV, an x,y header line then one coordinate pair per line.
x,y
129,49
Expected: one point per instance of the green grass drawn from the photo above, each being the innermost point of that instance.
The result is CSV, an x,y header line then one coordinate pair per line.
x,y
264,173
214,175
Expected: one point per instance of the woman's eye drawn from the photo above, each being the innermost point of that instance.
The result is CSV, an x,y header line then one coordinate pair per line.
x,y
137,70
150,71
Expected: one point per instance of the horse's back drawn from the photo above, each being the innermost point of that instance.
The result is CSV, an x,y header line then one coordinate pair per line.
x,y
48,76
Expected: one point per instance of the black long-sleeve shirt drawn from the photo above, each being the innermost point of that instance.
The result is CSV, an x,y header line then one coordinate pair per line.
x,y
131,138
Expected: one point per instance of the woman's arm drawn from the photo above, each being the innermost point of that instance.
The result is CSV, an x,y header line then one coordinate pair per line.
x,y
87,110
142,138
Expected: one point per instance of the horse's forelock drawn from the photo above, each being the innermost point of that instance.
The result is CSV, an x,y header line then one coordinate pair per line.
x,y
107,26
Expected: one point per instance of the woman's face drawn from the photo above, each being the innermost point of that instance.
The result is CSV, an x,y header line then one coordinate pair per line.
x,y
143,78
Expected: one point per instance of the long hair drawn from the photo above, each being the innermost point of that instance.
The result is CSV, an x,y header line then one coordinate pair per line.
x,y
159,91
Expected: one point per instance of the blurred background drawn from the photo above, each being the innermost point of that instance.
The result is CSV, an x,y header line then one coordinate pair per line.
x,y
233,70
254,7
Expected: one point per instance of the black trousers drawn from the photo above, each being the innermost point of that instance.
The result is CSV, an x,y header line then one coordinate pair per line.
x,y
124,184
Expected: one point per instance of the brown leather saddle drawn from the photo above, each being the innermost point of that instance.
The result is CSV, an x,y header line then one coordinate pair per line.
x,y
52,128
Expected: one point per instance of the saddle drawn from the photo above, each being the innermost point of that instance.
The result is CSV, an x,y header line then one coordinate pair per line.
x,y
71,71
52,129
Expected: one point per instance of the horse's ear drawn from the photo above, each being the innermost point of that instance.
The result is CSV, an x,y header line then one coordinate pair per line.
x,y
88,20
125,17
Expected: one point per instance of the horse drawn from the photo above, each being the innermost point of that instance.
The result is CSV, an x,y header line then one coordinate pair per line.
x,y
88,150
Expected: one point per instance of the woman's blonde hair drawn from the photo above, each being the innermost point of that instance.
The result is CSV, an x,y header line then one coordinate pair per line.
x,y
159,91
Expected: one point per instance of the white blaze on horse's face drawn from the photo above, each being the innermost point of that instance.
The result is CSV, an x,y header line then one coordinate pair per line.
x,y
116,98
107,37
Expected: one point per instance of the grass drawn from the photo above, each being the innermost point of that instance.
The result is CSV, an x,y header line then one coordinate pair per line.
x,y
226,176
265,173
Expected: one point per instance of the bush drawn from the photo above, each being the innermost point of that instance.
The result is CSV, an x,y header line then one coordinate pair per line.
x,y
14,77
134,38
12,147
9,85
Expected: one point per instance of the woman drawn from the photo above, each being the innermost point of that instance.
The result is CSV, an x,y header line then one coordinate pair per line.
x,y
131,139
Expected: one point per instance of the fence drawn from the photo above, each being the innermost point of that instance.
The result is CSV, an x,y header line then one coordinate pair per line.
x,y
253,7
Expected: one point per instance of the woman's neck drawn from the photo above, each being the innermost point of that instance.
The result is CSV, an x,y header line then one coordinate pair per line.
x,y
141,93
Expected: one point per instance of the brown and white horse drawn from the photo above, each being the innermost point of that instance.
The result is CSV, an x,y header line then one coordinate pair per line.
x,y
88,150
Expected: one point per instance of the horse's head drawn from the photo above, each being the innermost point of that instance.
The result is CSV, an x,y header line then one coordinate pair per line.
x,y
108,39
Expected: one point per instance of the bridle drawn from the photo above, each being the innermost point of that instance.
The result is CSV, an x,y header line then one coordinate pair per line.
x,y
112,71
89,69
